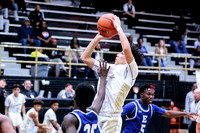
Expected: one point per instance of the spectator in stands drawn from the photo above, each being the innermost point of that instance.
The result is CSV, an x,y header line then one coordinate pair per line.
x,y
97,56
15,9
147,59
56,56
6,125
74,44
68,92
3,21
50,117
31,119
176,41
27,35
194,108
36,17
54,53
3,87
129,10
162,50
134,93
43,34
10,4
195,62
42,69
27,91
181,22
21,7
188,100
195,53
14,105
197,42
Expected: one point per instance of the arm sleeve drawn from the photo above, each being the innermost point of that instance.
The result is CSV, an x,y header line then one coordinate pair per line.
x,y
60,94
133,8
157,110
24,100
52,116
125,8
128,108
131,72
187,104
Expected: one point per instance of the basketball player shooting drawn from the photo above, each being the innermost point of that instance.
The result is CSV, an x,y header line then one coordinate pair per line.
x,y
120,79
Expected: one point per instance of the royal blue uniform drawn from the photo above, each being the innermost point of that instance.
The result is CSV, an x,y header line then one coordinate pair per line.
x,y
138,116
87,121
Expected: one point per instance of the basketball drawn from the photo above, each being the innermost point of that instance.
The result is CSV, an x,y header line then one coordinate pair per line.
x,y
105,25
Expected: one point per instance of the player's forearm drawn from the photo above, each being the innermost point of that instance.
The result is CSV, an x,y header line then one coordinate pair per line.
x,y
55,125
125,46
88,52
102,89
97,104
6,111
41,125
172,114
23,109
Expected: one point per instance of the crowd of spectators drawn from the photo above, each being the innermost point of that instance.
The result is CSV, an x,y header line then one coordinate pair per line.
x,y
34,32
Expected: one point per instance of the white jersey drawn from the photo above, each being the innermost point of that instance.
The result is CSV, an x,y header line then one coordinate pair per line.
x,y
50,115
120,79
28,123
15,103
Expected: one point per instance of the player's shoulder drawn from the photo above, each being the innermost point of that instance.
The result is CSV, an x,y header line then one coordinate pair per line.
x,y
21,95
155,106
50,111
132,104
70,118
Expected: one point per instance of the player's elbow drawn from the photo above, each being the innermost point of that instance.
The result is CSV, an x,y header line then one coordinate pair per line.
x,y
83,58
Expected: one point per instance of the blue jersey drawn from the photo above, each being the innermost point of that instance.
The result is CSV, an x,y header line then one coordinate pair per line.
x,y
138,116
87,121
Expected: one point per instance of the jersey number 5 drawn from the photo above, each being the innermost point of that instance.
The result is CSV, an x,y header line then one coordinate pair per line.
x,y
90,129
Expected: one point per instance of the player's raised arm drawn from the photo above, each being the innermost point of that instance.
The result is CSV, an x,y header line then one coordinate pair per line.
x,y
124,41
102,71
69,123
86,56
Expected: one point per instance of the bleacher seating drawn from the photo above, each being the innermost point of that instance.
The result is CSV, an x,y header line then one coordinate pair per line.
x,y
64,21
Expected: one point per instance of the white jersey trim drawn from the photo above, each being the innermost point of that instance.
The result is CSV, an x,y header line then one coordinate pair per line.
x,y
79,125
142,108
135,113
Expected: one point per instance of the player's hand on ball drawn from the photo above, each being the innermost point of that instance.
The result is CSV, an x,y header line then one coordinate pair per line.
x,y
102,37
116,22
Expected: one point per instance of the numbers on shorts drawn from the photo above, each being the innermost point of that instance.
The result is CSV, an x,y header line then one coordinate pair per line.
x,y
90,129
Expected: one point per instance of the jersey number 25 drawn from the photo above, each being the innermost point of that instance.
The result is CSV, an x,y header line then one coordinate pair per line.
x,y
90,129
